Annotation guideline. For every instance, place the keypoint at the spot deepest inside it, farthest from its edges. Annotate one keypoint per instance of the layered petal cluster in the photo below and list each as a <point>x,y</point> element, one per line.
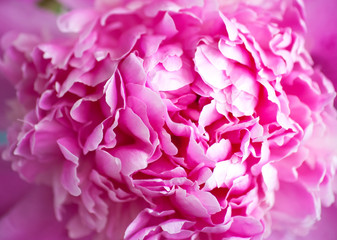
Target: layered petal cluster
<point>175,119</point>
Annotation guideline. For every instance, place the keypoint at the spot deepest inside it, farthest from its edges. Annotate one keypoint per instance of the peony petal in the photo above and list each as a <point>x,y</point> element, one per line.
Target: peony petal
<point>107,164</point>
<point>69,178</point>
<point>246,226</point>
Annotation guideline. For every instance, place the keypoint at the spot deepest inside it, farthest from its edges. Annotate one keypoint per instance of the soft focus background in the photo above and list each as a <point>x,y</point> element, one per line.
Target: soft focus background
<point>18,198</point>
<point>322,35</point>
<point>26,211</point>
<point>322,43</point>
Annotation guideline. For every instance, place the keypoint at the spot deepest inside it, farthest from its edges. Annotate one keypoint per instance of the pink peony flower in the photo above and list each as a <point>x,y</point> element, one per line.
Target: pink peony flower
<point>175,120</point>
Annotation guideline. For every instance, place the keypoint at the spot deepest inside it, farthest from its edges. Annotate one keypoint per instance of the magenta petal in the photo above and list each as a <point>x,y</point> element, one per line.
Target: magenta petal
<point>75,21</point>
<point>132,70</point>
<point>208,201</point>
<point>59,55</point>
<point>236,53</point>
<point>246,226</point>
<point>219,151</point>
<point>94,139</point>
<point>166,26</point>
<point>189,204</point>
<point>135,125</point>
<point>69,149</point>
<point>69,178</point>
<point>206,61</point>
<point>172,226</point>
<point>128,155</point>
<point>126,42</point>
<point>109,165</point>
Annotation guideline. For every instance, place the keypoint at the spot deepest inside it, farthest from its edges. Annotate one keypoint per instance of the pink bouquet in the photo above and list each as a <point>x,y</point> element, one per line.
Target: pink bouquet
<point>172,119</point>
